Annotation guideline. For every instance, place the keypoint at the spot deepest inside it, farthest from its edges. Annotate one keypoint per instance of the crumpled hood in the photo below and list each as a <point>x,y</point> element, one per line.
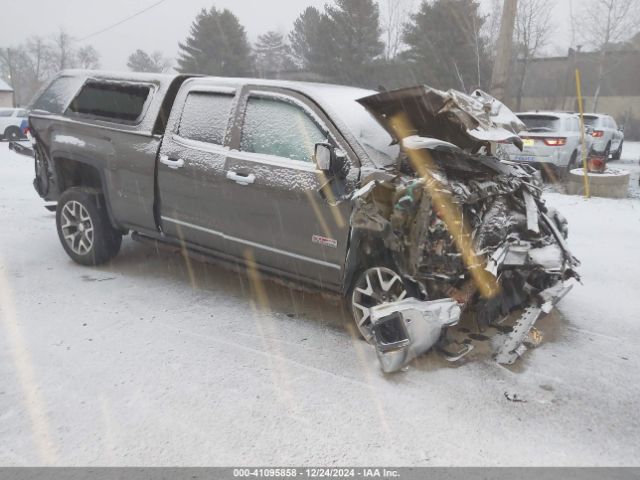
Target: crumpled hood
<point>467,121</point>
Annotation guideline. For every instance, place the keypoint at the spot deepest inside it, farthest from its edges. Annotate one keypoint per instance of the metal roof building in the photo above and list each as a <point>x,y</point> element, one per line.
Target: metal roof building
<point>6,94</point>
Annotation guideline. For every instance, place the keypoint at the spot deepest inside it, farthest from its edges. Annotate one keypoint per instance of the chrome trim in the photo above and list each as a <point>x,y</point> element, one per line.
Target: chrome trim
<point>251,244</point>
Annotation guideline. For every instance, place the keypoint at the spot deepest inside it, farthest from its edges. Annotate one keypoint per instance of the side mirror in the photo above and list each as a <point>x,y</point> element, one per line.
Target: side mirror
<point>621,128</point>
<point>329,160</point>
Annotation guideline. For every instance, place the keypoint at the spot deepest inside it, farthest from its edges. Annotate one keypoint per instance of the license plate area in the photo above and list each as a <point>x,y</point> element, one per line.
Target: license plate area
<point>524,158</point>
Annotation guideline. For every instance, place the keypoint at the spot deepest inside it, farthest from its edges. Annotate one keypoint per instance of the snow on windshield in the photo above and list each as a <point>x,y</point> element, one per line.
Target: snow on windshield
<point>369,133</point>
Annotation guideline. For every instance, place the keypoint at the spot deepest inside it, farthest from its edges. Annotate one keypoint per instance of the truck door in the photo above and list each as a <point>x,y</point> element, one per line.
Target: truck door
<point>191,167</point>
<point>278,219</point>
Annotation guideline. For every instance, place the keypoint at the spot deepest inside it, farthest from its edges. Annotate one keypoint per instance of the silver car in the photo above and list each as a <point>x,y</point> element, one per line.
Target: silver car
<point>607,136</point>
<point>551,142</point>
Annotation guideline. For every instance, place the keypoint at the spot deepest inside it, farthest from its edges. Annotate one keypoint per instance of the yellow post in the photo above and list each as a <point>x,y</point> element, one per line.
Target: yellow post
<point>584,146</point>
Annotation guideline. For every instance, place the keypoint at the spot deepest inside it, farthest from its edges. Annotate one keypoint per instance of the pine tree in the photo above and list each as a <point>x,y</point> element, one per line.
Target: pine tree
<point>446,46</point>
<point>309,41</point>
<point>271,54</point>
<point>354,31</point>
<point>217,45</point>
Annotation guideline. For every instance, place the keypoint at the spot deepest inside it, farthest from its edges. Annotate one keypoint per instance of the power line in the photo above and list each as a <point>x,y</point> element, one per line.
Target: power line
<point>122,21</point>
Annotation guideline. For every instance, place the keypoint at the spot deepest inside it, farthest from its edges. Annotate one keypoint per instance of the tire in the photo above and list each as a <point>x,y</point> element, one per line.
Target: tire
<point>607,152</point>
<point>618,154</point>
<point>12,134</point>
<point>572,164</point>
<point>369,290</point>
<point>84,228</point>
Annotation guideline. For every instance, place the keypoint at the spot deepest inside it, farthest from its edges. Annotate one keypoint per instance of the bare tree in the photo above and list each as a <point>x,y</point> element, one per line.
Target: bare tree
<point>88,58</point>
<point>63,52</point>
<point>532,30</point>
<point>601,24</point>
<point>393,17</point>
<point>491,28</point>
<point>39,52</point>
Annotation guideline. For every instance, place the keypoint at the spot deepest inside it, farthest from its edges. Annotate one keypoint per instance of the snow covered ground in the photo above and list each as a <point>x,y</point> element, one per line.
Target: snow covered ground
<point>153,361</point>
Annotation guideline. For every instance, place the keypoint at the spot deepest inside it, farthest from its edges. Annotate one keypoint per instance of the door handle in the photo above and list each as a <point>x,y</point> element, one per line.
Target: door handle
<point>241,179</point>
<point>173,163</point>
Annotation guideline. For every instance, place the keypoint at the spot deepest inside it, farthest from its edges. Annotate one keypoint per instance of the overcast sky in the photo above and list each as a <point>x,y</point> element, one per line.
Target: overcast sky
<point>162,27</point>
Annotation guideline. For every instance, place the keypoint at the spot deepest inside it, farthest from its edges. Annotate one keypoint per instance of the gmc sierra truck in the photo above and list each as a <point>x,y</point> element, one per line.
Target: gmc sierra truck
<point>392,200</point>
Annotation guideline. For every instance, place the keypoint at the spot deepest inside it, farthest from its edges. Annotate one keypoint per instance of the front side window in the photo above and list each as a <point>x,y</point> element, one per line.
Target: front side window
<point>205,117</point>
<point>119,102</point>
<point>21,113</point>
<point>280,128</point>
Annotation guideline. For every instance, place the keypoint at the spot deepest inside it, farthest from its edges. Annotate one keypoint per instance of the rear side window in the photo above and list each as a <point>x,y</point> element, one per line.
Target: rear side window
<point>279,128</point>
<point>58,95</point>
<point>111,101</point>
<point>205,117</point>
<point>540,123</point>
<point>6,113</point>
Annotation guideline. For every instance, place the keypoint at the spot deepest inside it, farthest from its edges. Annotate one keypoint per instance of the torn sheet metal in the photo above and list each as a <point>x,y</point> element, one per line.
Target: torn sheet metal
<point>440,184</point>
<point>514,345</point>
<point>466,121</point>
<point>409,328</point>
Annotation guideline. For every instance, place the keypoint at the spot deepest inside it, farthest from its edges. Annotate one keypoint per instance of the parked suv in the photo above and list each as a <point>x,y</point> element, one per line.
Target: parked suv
<point>552,142</point>
<point>607,136</point>
<point>382,198</point>
<point>10,122</point>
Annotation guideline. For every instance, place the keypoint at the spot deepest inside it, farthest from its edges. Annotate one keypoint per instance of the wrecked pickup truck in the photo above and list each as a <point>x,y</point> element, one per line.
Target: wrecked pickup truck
<point>392,200</point>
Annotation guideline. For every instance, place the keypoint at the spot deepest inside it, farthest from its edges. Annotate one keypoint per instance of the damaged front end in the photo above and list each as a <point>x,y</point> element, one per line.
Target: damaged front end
<point>465,232</point>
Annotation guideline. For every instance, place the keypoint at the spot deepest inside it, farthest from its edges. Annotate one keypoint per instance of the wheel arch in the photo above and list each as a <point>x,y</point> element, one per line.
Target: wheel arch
<point>365,251</point>
<point>73,170</point>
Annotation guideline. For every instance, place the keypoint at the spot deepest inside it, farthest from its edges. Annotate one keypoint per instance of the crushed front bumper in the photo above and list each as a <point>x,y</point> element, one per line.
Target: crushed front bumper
<point>409,328</point>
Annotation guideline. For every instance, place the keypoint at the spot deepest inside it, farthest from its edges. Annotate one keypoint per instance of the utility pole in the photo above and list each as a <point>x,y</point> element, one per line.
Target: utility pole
<point>500,74</point>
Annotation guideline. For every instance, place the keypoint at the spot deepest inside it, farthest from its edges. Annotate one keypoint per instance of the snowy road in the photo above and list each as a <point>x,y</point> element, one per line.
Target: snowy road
<point>152,361</point>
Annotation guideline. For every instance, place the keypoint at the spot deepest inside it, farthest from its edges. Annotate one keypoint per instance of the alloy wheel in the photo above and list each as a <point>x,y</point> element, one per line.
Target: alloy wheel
<point>77,227</point>
<point>375,286</point>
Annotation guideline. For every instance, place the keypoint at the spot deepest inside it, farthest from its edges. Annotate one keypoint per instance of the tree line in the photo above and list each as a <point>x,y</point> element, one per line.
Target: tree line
<point>28,65</point>
<point>443,43</point>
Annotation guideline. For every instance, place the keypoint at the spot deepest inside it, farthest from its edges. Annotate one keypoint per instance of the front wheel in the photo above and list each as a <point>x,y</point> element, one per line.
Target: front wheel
<point>373,287</point>
<point>84,228</point>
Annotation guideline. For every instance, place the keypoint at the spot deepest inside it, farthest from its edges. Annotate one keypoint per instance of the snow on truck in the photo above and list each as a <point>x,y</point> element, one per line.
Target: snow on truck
<point>391,200</point>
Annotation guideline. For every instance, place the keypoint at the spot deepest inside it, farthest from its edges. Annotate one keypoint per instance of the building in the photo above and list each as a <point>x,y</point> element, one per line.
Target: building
<point>550,84</point>
<point>6,94</point>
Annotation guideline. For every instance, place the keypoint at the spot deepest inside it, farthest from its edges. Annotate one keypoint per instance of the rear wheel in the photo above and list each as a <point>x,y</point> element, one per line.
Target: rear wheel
<point>84,228</point>
<point>12,133</point>
<point>607,152</point>
<point>375,286</point>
